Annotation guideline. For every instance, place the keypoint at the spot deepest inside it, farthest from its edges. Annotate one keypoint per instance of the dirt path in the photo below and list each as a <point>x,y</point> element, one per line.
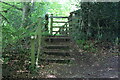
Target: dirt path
<point>78,68</point>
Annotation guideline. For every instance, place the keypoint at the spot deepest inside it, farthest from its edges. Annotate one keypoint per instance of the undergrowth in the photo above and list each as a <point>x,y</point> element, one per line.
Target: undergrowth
<point>87,45</point>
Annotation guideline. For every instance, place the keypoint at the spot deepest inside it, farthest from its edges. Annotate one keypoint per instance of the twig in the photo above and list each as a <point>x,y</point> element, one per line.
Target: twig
<point>11,5</point>
<point>4,17</point>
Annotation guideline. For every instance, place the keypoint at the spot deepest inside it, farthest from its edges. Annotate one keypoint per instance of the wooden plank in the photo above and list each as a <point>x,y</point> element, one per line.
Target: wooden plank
<point>59,22</point>
<point>56,50</point>
<point>55,57</point>
<point>57,54</point>
<point>59,27</point>
<point>58,37</point>
<point>63,45</point>
<point>56,60</point>
<point>55,31</point>
<point>62,31</point>
<point>65,30</point>
<point>58,17</point>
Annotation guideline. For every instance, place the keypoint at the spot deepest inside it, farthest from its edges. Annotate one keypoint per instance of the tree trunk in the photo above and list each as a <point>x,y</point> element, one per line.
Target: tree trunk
<point>26,14</point>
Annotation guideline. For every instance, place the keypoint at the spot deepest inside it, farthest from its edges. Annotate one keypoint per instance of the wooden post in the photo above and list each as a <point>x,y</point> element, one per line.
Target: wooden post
<point>51,24</point>
<point>70,23</point>
<point>46,22</point>
<point>32,52</point>
<point>39,34</point>
<point>66,29</point>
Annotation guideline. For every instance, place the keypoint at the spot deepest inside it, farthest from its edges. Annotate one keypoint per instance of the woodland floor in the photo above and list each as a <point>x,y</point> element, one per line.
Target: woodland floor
<point>85,65</point>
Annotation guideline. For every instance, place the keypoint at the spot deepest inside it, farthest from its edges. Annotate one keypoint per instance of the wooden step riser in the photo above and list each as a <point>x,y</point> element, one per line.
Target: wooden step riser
<point>57,54</point>
<point>61,38</point>
<point>57,47</point>
<point>57,40</point>
<point>55,61</point>
<point>58,43</point>
<point>56,36</point>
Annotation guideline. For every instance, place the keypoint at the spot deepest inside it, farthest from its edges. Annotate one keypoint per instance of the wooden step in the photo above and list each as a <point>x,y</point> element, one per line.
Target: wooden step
<point>56,36</point>
<point>55,59</point>
<point>56,52</point>
<point>60,43</point>
<point>57,46</point>
<point>57,39</point>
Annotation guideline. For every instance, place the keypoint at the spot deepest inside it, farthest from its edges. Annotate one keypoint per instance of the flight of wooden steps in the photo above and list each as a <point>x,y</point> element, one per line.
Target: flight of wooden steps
<point>57,49</point>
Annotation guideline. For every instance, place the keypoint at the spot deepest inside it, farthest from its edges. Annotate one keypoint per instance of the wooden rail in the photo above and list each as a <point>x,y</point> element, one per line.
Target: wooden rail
<point>59,22</point>
<point>61,28</point>
<point>57,17</point>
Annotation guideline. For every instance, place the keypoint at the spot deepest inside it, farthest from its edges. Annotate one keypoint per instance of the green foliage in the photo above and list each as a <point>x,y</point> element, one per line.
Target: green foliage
<point>82,42</point>
<point>86,45</point>
<point>6,60</point>
<point>58,34</point>
<point>13,36</point>
<point>11,13</point>
<point>9,34</point>
<point>117,41</point>
<point>46,33</point>
<point>58,9</point>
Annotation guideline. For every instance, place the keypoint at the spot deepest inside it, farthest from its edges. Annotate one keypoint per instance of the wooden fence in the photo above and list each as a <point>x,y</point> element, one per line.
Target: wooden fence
<point>63,30</point>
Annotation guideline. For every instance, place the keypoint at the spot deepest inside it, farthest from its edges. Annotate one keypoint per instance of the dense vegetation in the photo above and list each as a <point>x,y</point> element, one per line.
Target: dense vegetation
<point>98,21</point>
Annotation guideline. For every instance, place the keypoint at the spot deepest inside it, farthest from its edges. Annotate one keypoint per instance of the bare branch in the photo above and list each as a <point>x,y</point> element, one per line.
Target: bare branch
<point>4,17</point>
<point>11,5</point>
